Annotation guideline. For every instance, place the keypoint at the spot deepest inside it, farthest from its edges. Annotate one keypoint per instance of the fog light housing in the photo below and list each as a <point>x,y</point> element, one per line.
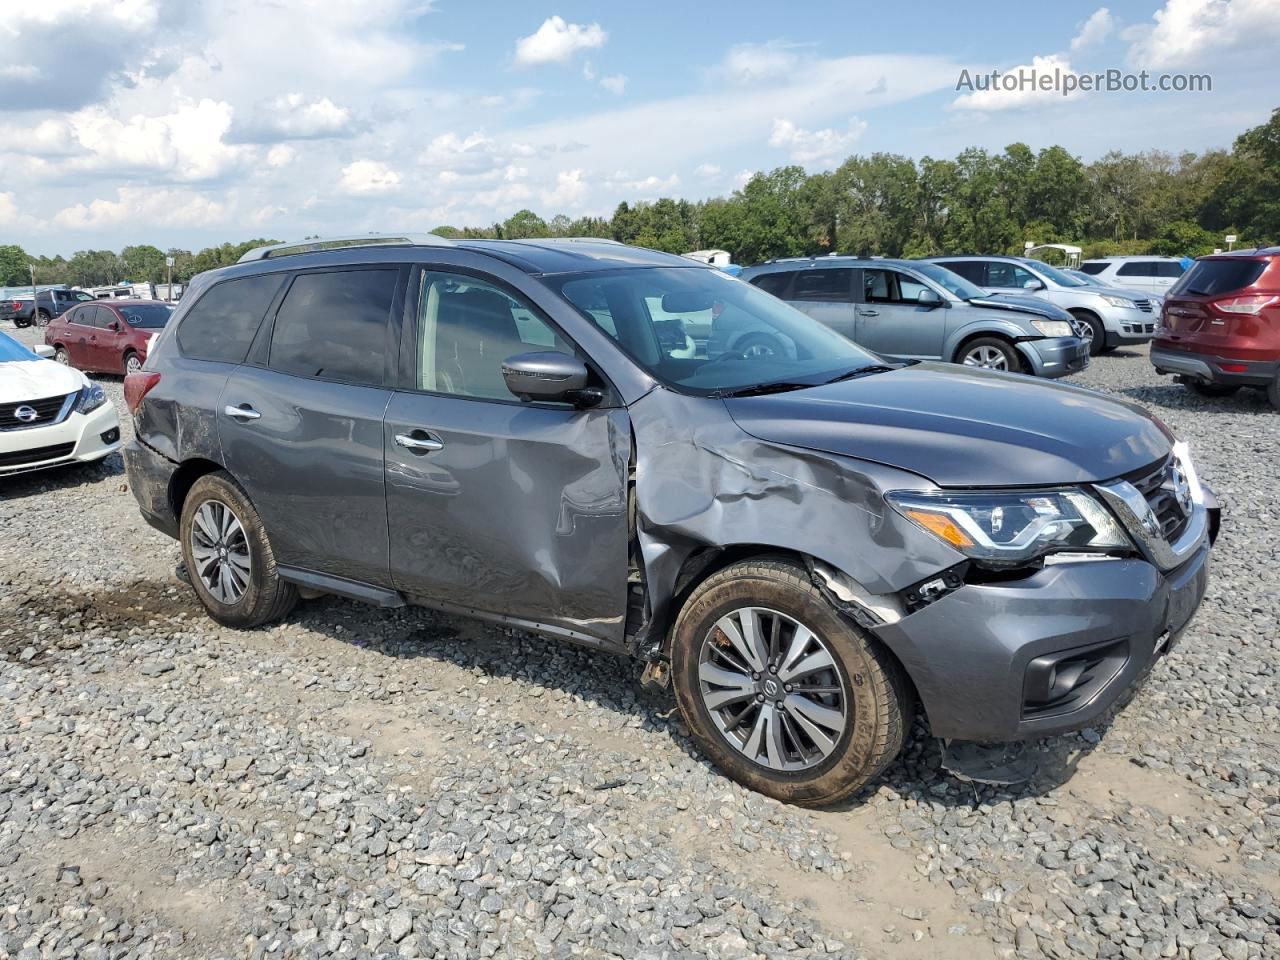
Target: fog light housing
<point>111,436</point>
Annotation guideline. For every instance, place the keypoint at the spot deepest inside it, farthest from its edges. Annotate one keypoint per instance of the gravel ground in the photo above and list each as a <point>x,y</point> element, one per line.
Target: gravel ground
<point>368,783</point>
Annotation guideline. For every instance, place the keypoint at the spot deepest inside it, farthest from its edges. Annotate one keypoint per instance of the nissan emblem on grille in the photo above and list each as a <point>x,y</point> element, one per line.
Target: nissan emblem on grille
<point>25,413</point>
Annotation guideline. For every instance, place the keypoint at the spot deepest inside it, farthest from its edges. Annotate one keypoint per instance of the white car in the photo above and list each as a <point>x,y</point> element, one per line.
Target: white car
<point>1152,275</point>
<point>50,414</point>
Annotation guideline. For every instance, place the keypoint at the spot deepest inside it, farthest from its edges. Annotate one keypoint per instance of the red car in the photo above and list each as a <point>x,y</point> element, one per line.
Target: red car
<point>1220,326</point>
<point>107,336</point>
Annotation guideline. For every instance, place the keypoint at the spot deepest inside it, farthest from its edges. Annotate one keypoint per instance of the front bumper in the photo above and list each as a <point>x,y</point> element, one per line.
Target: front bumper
<point>1054,357</point>
<point>1208,368</point>
<point>985,659</point>
<point>80,438</point>
<point>1128,325</point>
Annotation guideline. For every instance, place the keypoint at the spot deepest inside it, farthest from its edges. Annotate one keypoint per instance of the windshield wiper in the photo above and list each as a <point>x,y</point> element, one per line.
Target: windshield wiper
<point>861,371</point>
<point>759,389</point>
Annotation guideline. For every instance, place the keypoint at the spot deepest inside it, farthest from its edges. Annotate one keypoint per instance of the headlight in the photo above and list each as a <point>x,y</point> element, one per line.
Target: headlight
<point>1120,301</point>
<point>1053,328</point>
<point>1013,528</point>
<point>91,398</point>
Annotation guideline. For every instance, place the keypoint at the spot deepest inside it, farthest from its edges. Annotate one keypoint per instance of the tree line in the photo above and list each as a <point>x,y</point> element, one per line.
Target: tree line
<point>882,204</point>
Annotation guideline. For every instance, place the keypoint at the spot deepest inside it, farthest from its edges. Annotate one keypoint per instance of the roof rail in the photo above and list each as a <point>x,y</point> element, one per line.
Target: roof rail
<point>339,243</point>
<point>616,243</point>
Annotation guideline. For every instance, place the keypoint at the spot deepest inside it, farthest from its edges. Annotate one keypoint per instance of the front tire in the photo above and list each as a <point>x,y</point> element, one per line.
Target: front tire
<point>990,353</point>
<point>42,319</point>
<point>226,550</point>
<point>784,694</point>
<point>62,356</point>
<point>1090,328</point>
<point>131,363</point>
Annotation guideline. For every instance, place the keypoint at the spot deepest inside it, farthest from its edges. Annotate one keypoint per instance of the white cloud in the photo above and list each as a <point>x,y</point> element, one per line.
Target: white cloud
<point>749,63</point>
<point>815,146</point>
<point>570,190</point>
<point>294,117</point>
<point>1007,93</point>
<point>368,177</point>
<point>556,41</point>
<point>1096,29</point>
<point>11,217</point>
<point>707,170</point>
<point>144,205</point>
<point>1189,32</point>
<point>588,72</point>
<point>616,83</point>
<point>266,214</point>
<point>474,152</point>
<point>281,155</point>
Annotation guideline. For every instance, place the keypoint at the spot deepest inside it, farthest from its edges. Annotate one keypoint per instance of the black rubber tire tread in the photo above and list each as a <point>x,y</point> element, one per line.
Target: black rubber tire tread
<point>882,702</point>
<point>268,598</point>
<point>1273,392</point>
<point>1010,353</point>
<point>1213,389</point>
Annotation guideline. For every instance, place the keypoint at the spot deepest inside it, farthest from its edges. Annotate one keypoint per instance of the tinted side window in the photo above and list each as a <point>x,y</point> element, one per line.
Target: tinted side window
<point>1209,277</point>
<point>1134,270</point>
<point>1093,269</point>
<point>774,283</point>
<point>81,315</point>
<point>334,326</point>
<point>822,285</point>
<point>971,270</point>
<point>1000,274</point>
<point>1167,268</point>
<point>104,318</point>
<point>222,323</point>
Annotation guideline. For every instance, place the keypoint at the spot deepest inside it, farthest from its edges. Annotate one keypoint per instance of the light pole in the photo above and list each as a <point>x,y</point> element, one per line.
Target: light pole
<point>168,294</point>
<point>35,300</point>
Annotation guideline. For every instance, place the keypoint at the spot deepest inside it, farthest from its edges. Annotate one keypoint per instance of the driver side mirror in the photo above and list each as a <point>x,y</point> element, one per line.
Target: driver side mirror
<point>42,350</point>
<point>929,297</point>
<point>550,377</point>
<point>114,326</point>
<point>1033,285</point>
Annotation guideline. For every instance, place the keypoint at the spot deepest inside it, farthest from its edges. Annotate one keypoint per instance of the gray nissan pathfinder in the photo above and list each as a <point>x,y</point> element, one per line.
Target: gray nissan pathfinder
<point>807,544</point>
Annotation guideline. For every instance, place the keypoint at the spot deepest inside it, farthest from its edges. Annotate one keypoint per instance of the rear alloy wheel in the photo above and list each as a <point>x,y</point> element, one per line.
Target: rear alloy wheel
<point>60,354</point>
<point>784,694</point>
<point>990,353</point>
<point>42,319</point>
<point>132,364</point>
<point>228,556</point>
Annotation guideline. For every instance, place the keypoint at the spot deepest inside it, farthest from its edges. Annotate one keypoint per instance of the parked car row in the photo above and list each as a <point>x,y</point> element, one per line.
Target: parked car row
<point>107,336</point>
<point>808,539</point>
<point>39,310</point>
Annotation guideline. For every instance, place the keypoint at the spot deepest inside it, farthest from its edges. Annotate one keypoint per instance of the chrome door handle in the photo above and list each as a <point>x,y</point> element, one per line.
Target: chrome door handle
<point>419,444</point>
<point>244,412</point>
<point>868,313</point>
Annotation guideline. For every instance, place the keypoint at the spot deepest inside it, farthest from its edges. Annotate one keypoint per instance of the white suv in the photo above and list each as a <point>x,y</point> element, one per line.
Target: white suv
<point>1153,275</point>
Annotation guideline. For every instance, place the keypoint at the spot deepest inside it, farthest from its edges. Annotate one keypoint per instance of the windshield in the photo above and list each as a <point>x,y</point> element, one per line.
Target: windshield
<point>703,332</point>
<point>952,281</point>
<point>12,351</point>
<point>149,316</point>
<point>1057,276</point>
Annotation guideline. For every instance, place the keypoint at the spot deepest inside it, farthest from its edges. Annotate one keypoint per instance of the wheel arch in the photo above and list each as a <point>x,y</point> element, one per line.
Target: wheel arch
<point>1000,329</point>
<point>1004,336</point>
<point>185,477</point>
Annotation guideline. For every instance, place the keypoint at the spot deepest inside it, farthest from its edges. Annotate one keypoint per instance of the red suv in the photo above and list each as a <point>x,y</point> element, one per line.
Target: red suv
<point>107,336</point>
<point>1220,326</point>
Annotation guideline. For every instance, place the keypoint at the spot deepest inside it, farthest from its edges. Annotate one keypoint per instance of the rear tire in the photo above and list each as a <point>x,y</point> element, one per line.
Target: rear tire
<point>42,318</point>
<point>844,709</point>
<point>990,353</point>
<point>1273,392</point>
<point>62,356</point>
<point>231,564</point>
<point>1213,389</point>
<point>131,363</point>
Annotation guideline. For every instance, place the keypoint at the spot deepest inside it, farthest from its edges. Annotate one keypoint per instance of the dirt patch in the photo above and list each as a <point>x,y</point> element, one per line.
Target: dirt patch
<point>1109,781</point>
<point>136,604</point>
<point>390,734</point>
<point>138,884</point>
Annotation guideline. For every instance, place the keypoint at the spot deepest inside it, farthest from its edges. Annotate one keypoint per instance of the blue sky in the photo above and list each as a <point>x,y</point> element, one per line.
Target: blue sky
<point>181,123</point>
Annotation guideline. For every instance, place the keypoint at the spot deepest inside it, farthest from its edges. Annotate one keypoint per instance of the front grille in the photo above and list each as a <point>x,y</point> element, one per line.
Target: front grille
<point>1156,486</point>
<point>47,411</point>
<point>1144,305</point>
<point>36,455</point>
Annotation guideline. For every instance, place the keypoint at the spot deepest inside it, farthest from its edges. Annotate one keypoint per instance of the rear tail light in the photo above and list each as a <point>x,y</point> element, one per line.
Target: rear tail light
<point>137,386</point>
<point>1234,367</point>
<point>1253,303</point>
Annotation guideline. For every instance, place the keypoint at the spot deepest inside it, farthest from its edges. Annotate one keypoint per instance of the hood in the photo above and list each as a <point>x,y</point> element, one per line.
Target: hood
<point>1110,291</point>
<point>36,379</point>
<point>1011,301</point>
<point>962,427</point>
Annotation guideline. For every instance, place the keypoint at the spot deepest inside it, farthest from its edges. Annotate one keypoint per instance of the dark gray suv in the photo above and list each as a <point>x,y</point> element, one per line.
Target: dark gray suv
<point>806,546</point>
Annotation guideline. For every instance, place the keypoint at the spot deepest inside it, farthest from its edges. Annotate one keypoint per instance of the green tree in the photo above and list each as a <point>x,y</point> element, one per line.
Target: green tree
<point>94,268</point>
<point>522,225</point>
<point>14,266</point>
<point>876,200</point>
<point>143,264</point>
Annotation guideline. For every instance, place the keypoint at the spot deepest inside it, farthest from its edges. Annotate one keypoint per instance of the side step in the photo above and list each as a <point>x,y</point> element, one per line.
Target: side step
<point>352,589</point>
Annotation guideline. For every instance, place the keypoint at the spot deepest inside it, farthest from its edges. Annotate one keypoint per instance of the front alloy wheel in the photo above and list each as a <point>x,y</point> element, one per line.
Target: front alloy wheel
<point>990,353</point>
<point>780,690</point>
<point>772,689</point>
<point>132,364</point>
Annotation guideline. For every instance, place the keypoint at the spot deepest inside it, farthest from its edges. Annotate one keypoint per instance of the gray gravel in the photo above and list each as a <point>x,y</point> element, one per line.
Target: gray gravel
<point>367,783</point>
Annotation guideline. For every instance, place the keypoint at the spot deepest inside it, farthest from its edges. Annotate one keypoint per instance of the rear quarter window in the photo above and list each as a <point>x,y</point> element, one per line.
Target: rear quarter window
<point>773,283</point>
<point>222,323</point>
<point>1212,277</point>
<point>1093,269</point>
